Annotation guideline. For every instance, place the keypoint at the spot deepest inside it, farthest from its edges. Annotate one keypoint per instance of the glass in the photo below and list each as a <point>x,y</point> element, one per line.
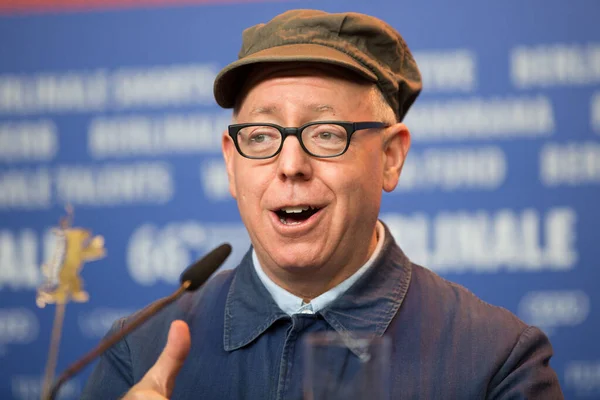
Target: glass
<point>346,366</point>
<point>322,139</point>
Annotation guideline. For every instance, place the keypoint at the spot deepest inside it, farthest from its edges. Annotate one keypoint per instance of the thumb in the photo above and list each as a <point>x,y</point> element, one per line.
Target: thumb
<point>161,377</point>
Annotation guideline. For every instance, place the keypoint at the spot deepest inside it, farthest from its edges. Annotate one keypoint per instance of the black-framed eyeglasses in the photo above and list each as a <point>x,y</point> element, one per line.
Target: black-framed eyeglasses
<point>323,139</point>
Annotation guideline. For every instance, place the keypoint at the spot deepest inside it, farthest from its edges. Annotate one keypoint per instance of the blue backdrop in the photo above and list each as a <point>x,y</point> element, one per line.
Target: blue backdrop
<point>112,112</point>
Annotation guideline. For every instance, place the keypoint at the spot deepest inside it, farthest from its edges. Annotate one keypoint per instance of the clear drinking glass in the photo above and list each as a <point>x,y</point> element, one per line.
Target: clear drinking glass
<point>347,366</point>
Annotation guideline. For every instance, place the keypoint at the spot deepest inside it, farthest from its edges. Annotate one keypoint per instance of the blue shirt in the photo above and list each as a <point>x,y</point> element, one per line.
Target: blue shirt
<point>446,343</point>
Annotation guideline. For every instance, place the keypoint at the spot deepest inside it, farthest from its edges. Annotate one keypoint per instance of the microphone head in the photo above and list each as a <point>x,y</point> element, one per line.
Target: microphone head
<point>201,270</point>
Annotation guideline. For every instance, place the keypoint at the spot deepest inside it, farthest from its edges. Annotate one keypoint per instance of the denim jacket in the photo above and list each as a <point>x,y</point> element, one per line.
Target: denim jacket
<point>446,343</point>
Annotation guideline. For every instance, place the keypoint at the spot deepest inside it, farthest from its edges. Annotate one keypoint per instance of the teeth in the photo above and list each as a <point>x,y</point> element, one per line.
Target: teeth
<point>286,222</point>
<point>294,210</point>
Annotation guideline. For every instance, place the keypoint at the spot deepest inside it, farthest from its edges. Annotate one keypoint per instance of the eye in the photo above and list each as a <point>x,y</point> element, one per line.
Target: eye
<point>256,135</point>
<point>325,135</point>
<point>258,138</point>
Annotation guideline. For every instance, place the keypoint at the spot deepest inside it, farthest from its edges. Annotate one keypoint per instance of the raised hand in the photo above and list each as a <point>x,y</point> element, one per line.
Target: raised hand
<point>159,381</point>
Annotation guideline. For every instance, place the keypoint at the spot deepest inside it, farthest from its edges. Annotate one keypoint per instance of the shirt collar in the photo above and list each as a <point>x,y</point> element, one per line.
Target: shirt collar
<point>292,304</point>
<point>368,305</point>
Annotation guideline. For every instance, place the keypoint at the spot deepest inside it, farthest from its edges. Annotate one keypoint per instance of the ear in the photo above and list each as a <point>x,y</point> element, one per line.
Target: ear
<point>395,148</point>
<point>229,153</point>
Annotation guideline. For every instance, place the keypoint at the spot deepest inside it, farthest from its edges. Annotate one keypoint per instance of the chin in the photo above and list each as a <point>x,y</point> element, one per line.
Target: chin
<point>297,259</point>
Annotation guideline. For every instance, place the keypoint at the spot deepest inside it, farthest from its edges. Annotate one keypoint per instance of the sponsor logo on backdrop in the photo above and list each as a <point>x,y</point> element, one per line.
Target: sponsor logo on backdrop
<point>556,64</point>
<point>21,254</point>
<point>480,119</point>
<point>115,184</point>
<point>25,189</point>
<point>452,169</point>
<point>595,113</point>
<point>29,387</point>
<point>60,92</point>
<point>550,310</point>
<point>17,326</point>
<point>35,140</point>
<point>100,90</point>
<point>19,262</point>
<point>109,184</point>
<point>489,241</point>
<point>571,163</point>
<point>163,86</point>
<point>160,253</point>
<point>215,182</point>
<point>448,70</point>
<point>141,135</point>
<point>583,377</point>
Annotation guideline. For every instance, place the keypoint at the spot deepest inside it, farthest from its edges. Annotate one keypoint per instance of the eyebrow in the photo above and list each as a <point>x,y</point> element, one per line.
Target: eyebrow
<point>270,110</point>
<point>263,110</point>
<point>322,108</point>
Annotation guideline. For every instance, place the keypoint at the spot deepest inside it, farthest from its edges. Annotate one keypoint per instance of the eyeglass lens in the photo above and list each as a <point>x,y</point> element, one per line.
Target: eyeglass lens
<point>320,140</point>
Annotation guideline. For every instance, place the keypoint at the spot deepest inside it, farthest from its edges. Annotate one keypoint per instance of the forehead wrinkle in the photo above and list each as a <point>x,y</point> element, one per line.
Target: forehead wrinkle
<point>269,110</point>
<point>321,108</point>
<point>272,110</point>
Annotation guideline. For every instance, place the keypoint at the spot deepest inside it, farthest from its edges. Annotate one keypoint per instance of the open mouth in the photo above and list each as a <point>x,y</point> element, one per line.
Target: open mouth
<point>296,215</point>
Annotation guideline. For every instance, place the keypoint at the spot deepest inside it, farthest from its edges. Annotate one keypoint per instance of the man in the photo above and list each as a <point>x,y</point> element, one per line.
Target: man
<point>318,102</point>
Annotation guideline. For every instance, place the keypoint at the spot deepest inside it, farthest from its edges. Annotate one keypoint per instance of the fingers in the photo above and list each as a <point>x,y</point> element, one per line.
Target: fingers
<point>173,355</point>
<point>159,381</point>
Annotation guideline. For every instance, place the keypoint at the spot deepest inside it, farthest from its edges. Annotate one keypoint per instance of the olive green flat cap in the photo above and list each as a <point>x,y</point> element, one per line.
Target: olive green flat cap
<point>358,42</point>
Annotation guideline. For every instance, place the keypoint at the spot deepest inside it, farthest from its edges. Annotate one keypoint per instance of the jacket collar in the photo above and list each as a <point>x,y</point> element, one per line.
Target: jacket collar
<point>367,306</point>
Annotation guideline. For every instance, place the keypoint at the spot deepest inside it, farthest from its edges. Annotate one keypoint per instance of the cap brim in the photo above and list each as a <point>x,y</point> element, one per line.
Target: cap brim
<point>231,78</point>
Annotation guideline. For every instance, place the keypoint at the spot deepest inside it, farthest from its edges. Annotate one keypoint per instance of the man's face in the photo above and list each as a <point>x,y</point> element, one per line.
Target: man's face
<point>337,233</point>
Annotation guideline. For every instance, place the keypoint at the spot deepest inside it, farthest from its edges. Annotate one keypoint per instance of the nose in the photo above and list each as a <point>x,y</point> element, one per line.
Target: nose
<point>293,162</point>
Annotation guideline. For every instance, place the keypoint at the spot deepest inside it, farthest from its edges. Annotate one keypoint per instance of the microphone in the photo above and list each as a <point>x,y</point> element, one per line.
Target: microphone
<point>191,279</point>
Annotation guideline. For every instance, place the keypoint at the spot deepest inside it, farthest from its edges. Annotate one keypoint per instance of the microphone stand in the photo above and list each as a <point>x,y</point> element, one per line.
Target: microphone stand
<point>106,344</point>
